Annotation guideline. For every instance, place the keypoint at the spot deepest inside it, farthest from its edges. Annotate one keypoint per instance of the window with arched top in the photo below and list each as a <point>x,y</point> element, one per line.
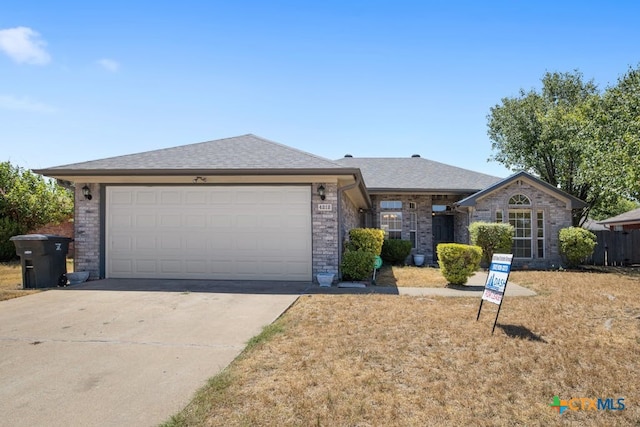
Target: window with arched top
<point>520,200</point>
<point>528,225</point>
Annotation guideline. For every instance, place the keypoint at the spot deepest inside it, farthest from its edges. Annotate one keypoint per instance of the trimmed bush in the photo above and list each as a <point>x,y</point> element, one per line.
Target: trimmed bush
<point>576,245</point>
<point>395,251</point>
<point>458,262</point>
<point>357,265</point>
<point>366,239</point>
<point>492,237</point>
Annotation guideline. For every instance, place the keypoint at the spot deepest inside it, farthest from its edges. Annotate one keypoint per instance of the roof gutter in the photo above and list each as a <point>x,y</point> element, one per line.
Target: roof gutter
<point>359,182</point>
<point>178,172</point>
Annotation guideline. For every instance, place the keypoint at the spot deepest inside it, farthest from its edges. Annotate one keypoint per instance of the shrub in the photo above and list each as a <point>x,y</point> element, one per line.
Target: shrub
<point>8,228</point>
<point>366,239</point>
<point>458,262</point>
<point>395,251</point>
<point>492,237</point>
<point>357,265</point>
<point>576,245</point>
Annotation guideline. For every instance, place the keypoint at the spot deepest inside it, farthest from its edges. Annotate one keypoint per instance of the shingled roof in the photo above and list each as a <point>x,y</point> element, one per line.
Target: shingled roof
<point>415,174</point>
<point>631,217</point>
<point>244,153</point>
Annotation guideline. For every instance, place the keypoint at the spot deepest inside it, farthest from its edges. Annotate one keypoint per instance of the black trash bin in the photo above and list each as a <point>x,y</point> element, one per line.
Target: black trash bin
<point>43,258</point>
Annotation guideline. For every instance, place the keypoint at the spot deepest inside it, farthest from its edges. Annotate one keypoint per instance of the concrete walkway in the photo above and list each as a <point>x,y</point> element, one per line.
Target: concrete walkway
<point>473,288</point>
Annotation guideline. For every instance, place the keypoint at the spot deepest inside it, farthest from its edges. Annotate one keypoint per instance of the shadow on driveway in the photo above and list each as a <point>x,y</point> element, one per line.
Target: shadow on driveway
<point>226,287</point>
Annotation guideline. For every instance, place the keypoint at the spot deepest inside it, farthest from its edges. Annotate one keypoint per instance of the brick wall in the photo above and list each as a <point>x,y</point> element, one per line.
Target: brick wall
<point>325,232</point>
<point>424,243</point>
<point>87,231</point>
<point>65,228</point>
<point>556,216</point>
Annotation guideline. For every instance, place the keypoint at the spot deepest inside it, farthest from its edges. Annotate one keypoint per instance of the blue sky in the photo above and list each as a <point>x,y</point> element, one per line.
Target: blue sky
<point>92,79</point>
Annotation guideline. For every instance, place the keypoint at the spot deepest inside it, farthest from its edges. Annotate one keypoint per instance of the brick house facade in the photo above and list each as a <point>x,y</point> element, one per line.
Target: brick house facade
<point>161,214</point>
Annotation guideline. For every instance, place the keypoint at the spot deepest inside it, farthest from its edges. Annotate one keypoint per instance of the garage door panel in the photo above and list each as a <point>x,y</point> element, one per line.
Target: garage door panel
<point>148,221</point>
<point>145,197</point>
<point>146,266</point>
<point>170,243</point>
<point>197,198</point>
<point>121,243</point>
<point>196,221</point>
<point>122,221</point>
<point>146,242</point>
<point>170,266</point>
<point>122,266</point>
<point>234,232</point>
<point>171,197</point>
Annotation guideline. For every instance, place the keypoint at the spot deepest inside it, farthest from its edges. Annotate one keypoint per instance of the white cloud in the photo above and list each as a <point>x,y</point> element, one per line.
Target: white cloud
<point>24,45</point>
<point>109,64</point>
<point>8,102</point>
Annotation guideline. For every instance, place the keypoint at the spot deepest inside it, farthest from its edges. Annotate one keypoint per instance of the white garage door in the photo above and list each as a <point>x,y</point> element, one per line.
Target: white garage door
<point>221,232</point>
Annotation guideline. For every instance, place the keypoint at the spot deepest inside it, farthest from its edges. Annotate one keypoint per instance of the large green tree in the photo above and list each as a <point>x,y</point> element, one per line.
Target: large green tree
<point>28,201</point>
<point>552,133</point>
<point>617,141</point>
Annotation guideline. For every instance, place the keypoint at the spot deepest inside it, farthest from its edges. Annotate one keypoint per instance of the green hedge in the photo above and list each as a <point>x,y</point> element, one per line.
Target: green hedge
<point>366,239</point>
<point>357,265</point>
<point>458,262</point>
<point>8,229</point>
<point>395,251</point>
<point>576,245</point>
<point>492,237</point>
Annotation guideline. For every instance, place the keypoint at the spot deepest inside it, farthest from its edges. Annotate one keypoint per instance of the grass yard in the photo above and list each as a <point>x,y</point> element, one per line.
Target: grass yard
<point>11,280</point>
<point>374,360</point>
<point>410,276</point>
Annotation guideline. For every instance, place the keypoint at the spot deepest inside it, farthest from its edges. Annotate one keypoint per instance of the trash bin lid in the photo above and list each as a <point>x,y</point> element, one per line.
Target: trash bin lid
<point>30,237</point>
<point>38,237</point>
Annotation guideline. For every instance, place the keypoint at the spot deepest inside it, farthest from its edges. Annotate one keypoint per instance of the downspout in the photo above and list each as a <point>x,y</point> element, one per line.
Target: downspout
<point>340,217</point>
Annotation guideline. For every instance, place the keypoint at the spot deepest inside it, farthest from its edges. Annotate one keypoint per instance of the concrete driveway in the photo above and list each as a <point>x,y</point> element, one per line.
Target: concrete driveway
<point>73,357</point>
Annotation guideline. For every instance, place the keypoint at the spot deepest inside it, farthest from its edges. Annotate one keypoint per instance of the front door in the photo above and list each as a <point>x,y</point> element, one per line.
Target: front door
<point>442,226</point>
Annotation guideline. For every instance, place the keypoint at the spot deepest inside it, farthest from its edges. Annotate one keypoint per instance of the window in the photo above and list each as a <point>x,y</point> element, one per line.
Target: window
<point>391,223</point>
<point>413,229</point>
<point>499,215</point>
<point>521,221</point>
<point>438,208</point>
<point>540,232</point>
<point>390,204</point>
<point>412,205</point>
<point>520,200</point>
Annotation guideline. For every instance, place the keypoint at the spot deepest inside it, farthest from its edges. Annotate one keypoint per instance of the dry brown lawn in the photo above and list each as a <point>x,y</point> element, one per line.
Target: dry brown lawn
<point>409,276</point>
<point>378,360</point>
<point>11,280</point>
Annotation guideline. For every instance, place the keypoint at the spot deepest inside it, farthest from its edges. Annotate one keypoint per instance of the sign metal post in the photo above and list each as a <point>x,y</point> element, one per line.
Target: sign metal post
<point>496,284</point>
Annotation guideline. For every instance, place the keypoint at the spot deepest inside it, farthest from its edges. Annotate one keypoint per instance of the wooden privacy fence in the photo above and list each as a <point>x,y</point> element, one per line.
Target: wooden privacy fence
<point>616,248</point>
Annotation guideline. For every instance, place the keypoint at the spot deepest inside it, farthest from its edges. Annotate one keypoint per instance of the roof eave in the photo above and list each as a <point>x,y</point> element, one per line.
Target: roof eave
<point>426,191</point>
<point>182,172</point>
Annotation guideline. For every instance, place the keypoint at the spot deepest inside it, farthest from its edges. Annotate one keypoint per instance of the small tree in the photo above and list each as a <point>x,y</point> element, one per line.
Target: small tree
<point>458,262</point>
<point>28,201</point>
<point>576,245</point>
<point>492,237</point>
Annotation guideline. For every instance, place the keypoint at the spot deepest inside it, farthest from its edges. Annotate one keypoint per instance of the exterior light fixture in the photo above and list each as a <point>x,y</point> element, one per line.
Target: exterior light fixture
<point>321,192</point>
<point>86,192</point>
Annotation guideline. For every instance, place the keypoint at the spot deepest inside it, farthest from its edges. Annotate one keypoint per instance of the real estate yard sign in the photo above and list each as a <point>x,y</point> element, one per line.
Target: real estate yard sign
<point>496,283</point>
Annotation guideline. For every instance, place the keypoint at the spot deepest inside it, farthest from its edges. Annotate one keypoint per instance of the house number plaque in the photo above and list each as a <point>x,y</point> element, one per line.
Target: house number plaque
<point>325,207</point>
